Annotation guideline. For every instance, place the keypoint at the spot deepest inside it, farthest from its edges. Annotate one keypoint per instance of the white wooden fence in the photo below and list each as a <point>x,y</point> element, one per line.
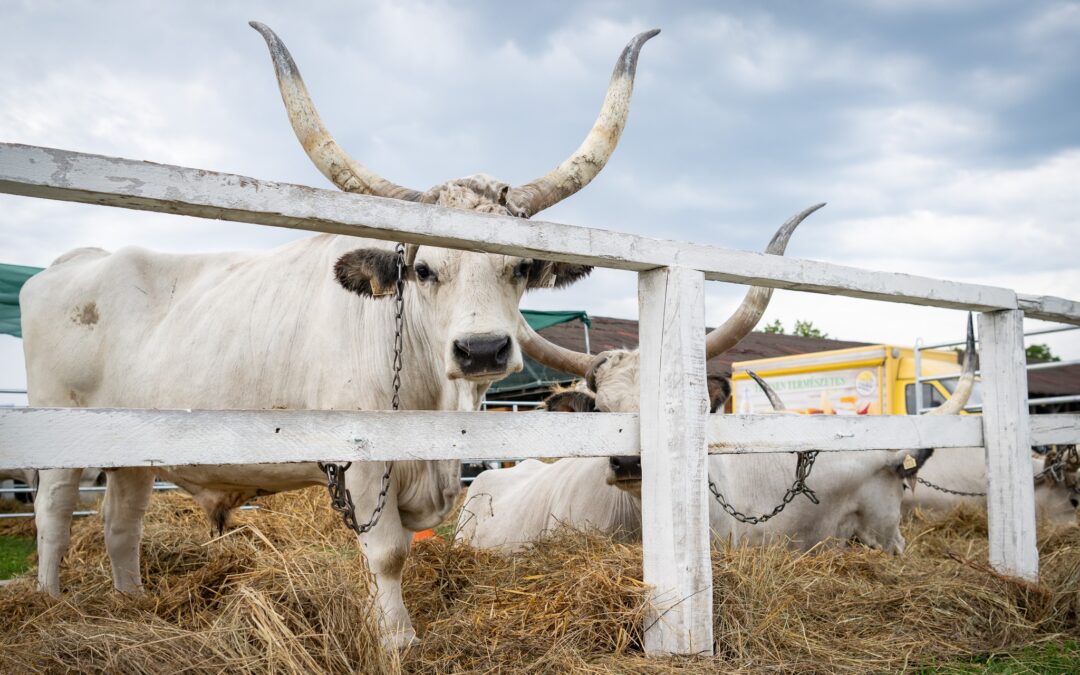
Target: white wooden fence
<point>672,433</point>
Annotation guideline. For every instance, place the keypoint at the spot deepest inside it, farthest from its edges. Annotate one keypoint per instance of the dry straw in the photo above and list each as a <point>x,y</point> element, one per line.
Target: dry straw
<point>286,592</point>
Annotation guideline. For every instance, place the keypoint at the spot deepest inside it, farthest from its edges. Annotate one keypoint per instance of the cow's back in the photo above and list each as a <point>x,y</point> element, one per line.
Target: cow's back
<point>265,329</point>
<point>87,318</point>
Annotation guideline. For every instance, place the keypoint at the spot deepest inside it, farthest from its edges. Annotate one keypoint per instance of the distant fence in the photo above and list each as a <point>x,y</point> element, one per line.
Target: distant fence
<point>672,433</point>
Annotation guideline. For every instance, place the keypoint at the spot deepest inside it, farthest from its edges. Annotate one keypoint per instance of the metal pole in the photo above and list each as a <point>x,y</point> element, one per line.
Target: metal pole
<point>918,374</point>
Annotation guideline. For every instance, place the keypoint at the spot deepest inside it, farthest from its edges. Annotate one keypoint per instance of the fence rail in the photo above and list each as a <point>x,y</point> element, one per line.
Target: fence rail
<point>672,433</point>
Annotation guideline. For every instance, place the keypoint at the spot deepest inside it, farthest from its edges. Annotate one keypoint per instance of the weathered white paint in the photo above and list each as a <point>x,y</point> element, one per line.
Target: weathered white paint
<point>789,433</point>
<point>76,437</point>
<point>675,510</point>
<point>1010,499</point>
<point>72,437</point>
<point>1049,308</point>
<point>1055,429</point>
<point>70,176</point>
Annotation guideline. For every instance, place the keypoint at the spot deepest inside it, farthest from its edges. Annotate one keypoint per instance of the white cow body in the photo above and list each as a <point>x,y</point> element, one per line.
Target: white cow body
<point>860,495</point>
<point>505,509</point>
<point>964,470</point>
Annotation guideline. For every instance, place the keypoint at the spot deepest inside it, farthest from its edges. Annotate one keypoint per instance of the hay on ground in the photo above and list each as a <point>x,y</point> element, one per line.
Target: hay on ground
<point>287,592</point>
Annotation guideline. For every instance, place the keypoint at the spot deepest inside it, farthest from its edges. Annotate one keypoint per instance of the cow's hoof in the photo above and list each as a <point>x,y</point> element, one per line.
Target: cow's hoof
<point>401,640</point>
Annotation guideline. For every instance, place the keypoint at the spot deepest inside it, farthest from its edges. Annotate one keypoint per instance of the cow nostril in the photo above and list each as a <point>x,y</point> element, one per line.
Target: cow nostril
<point>461,350</point>
<point>503,353</point>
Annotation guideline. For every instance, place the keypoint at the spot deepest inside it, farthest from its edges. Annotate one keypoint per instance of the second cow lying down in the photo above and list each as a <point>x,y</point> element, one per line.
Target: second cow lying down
<point>859,495</point>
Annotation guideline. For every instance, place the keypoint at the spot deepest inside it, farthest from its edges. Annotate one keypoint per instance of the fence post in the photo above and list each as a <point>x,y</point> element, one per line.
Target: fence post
<point>1010,491</point>
<point>675,509</point>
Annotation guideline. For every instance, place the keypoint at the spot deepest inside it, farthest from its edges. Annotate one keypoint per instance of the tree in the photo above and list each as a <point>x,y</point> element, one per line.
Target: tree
<point>1040,353</point>
<point>776,328</point>
<point>807,329</point>
<point>802,328</point>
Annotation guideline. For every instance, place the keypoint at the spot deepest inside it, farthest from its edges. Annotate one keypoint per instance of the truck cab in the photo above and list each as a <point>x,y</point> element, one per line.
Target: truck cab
<point>869,380</point>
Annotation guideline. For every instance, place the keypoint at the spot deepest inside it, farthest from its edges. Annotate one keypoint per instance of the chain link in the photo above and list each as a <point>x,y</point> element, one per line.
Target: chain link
<point>340,496</point>
<point>923,481</point>
<point>1055,470</point>
<point>802,472</point>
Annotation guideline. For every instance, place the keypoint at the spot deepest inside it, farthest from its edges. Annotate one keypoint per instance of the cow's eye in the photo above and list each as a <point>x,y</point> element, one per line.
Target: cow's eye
<point>424,273</point>
<point>521,270</point>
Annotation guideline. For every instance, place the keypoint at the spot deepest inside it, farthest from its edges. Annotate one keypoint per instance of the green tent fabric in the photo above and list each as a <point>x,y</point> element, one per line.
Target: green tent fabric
<point>12,278</point>
<point>533,374</point>
<point>541,320</point>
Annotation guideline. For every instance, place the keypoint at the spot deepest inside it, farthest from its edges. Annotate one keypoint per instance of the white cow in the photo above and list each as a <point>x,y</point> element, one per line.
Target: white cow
<point>859,497</point>
<point>309,325</point>
<point>964,470</point>
<point>859,494</point>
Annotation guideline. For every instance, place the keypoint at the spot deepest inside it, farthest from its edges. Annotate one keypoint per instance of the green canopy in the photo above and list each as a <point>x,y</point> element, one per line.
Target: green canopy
<point>541,320</point>
<point>12,278</point>
<point>533,375</point>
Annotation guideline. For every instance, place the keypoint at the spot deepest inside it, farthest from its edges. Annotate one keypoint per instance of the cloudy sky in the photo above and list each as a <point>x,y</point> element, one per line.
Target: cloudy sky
<point>944,135</point>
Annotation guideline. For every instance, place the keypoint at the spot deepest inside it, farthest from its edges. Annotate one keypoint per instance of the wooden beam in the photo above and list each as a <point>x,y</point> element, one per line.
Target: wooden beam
<point>1050,308</point>
<point>93,179</point>
<point>1061,429</point>
<point>674,501</point>
<point>789,433</point>
<point>48,438</point>
<point>1010,490</point>
<point>73,437</point>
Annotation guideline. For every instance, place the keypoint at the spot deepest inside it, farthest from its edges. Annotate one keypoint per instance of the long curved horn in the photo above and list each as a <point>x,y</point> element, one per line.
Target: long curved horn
<point>749,312</point>
<point>966,383</point>
<point>328,157</point>
<point>550,354</point>
<point>581,167</point>
<point>770,393</point>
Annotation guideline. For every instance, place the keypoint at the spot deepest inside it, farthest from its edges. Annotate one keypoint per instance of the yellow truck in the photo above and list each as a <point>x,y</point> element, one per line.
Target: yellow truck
<point>870,380</point>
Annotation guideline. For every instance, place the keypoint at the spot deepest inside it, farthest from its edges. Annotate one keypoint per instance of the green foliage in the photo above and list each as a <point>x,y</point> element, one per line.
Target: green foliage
<point>15,555</point>
<point>807,329</point>
<point>1040,352</point>
<point>802,328</point>
<point>776,328</point>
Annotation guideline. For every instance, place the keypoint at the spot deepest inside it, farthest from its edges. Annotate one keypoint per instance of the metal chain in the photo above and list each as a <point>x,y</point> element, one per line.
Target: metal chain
<point>923,481</point>
<point>1055,470</point>
<point>802,472</point>
<point>340,496</point>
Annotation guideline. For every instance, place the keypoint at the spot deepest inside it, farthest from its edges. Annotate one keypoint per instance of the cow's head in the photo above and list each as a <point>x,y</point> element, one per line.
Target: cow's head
<point>469,299</point>
<point>860,501</point>
<point>1057,487</point>
<point>613,376</point>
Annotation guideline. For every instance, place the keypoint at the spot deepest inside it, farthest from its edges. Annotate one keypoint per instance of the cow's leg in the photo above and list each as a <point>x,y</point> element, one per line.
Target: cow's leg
<point>386,547</point>
<point>57,494</point>
<point>127,494</point>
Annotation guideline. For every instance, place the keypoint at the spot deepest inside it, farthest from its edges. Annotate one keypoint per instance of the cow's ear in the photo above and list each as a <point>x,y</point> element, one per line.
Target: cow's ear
<point>547,274</point>
<point>907,463</point>
<point>719,392</point>
<point>571,401</point>
<point>368,272</point>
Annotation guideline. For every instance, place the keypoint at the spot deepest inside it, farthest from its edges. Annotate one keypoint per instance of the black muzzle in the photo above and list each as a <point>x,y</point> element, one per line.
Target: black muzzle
<point>627,467</point>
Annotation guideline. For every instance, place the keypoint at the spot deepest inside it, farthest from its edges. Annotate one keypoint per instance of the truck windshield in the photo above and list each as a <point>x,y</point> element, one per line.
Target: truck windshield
<point>976,392</point>
<point>932,398</point>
